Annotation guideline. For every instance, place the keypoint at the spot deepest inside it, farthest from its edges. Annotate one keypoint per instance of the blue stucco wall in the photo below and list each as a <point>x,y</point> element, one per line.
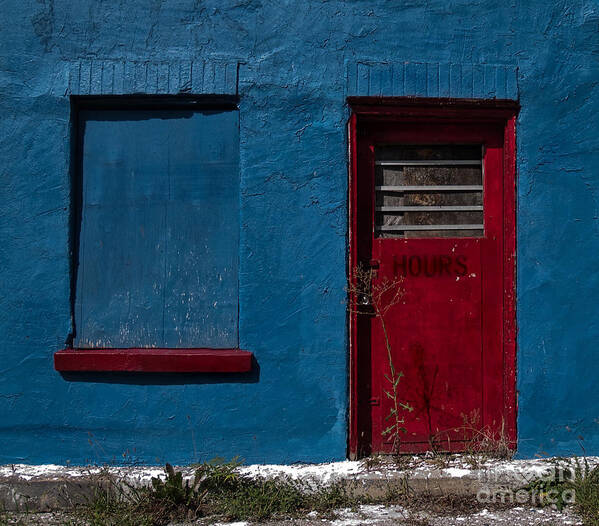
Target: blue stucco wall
<point>292,64</point>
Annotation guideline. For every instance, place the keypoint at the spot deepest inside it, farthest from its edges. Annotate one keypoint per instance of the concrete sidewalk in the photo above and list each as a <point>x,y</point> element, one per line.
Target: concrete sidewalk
<point>51,487</point>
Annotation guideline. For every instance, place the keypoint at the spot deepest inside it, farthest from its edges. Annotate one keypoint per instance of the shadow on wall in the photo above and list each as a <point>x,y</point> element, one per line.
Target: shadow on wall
<point>129,378</point>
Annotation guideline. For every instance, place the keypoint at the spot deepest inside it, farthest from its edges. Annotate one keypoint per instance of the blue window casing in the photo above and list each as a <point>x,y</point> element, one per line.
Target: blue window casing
<point>158,244</point>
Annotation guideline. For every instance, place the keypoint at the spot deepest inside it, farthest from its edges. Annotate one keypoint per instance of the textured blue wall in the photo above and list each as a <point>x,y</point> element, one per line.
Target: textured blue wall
<point>293,63</point>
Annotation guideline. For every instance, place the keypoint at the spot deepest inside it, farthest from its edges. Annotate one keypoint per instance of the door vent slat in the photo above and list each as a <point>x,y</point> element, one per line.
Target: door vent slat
<point>392,228</point>
<point>426,208</point>
<point>430,163</point>
<point>431,188</point>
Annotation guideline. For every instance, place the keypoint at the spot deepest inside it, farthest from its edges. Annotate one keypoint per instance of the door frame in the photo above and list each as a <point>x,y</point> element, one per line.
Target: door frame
<point>459,111</point>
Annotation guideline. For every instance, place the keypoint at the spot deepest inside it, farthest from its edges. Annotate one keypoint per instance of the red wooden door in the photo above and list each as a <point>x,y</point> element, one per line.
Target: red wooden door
<point>429,217</point>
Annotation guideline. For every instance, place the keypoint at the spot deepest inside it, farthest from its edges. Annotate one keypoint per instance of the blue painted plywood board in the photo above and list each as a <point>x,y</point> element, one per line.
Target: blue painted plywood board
<point>158,252</point>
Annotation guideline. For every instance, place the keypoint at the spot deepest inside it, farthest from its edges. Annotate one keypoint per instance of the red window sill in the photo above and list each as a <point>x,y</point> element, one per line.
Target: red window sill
<point>154,360</point>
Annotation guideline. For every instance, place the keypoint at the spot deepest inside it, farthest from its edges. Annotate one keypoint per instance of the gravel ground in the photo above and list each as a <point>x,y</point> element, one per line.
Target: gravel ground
<point>398,516</point>
<point>378,515</point>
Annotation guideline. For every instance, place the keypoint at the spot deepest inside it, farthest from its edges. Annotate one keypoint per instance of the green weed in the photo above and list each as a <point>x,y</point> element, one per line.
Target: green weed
<point>585,486</point>
<point>217,489</point>
<point>375,297</point>
<point>552,490</point>
<point>578,485</point>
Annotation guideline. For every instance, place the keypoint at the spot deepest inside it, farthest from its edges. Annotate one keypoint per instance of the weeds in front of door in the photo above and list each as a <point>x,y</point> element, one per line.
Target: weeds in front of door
<point>219,492</point>
<point>376,298</point>
<point>484,442</point>
<point>479,443</point>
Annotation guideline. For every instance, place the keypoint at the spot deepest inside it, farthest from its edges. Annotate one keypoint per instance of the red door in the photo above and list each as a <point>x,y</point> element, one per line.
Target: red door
<point>430,223</point>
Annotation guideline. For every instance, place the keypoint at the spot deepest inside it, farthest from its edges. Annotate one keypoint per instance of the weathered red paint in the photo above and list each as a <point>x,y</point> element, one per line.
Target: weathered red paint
<point>352,221</point>
<point>154,360</point>
<point>509,273</point>
<point>458,357</point>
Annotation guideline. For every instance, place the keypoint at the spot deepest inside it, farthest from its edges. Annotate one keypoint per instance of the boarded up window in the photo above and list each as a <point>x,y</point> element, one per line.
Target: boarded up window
<point>429,191</point>
<point>158,246</point>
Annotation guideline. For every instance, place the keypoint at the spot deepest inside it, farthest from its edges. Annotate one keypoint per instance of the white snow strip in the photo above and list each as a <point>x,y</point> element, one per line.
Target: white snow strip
<point>491,471</point>
<point>54,472</point>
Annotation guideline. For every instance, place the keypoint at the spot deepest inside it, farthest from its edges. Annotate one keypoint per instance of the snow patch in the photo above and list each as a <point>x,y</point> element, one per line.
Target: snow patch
<point>457,472</point>
<point>324,473</point>
<point>369,514</point>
